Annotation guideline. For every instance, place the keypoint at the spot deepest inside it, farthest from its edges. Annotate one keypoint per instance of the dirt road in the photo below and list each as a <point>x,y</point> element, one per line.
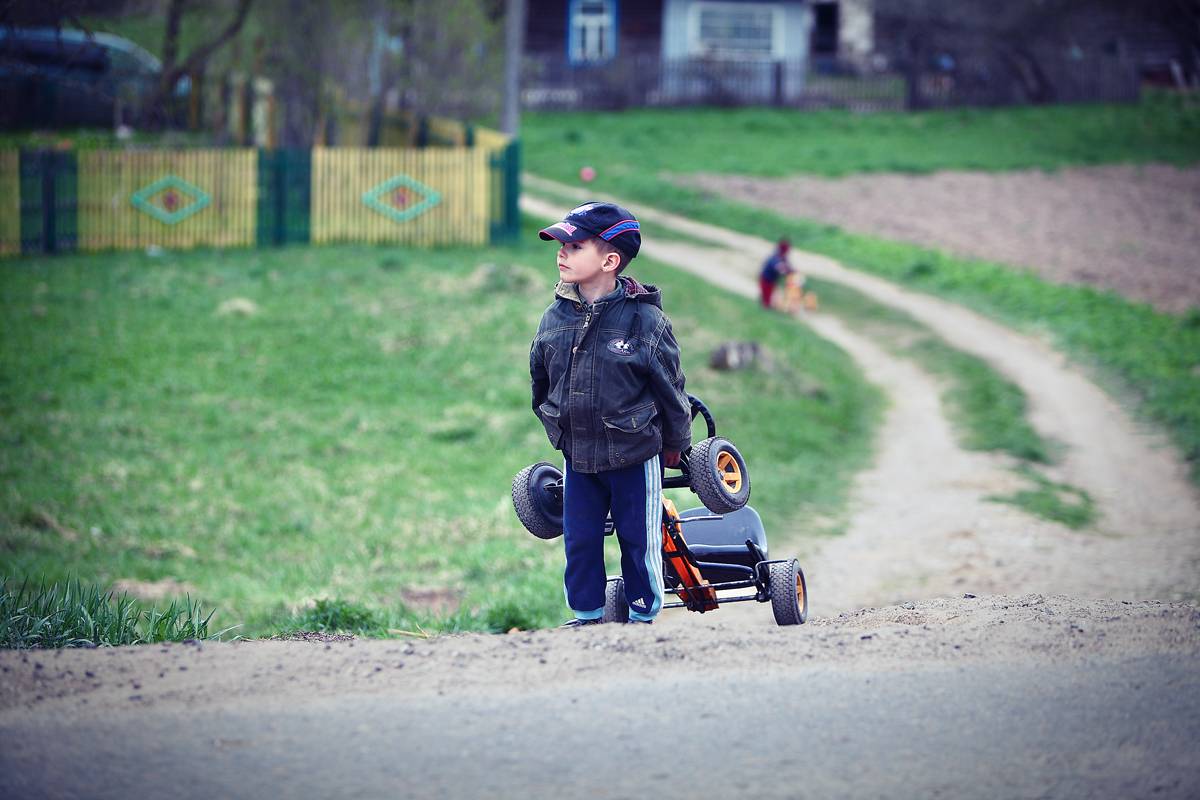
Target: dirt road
<point>982,697</point>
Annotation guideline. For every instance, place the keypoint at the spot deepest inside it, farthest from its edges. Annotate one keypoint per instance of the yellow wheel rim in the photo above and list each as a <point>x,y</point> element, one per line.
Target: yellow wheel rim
<point>800,591</point>
<point>729,472</point>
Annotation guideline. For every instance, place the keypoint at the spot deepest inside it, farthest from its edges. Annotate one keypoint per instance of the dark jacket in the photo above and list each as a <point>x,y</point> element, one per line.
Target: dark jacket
<point>607,383</point>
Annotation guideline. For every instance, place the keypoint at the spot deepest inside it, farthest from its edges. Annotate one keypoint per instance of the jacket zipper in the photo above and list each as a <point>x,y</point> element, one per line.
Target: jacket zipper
<point>574,348</point>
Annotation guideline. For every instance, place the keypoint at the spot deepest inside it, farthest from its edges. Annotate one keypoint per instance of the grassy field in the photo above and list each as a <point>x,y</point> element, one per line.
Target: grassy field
<point>1147,357</point>
<point>269,429</point>
<point>773,142</point>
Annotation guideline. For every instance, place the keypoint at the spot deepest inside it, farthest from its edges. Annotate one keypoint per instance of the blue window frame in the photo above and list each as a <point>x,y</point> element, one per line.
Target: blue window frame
<point>591,31</point>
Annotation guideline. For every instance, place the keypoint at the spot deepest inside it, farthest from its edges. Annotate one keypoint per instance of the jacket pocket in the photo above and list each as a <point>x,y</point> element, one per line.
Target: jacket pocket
<point>632,435</point>
<point>550,421</point>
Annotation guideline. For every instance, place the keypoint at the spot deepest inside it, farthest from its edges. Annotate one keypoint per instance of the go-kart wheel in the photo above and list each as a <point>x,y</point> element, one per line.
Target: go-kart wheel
<point>719,475</point>
<point>789,595</point>
<point>539,510</point>
<point>615,607</point>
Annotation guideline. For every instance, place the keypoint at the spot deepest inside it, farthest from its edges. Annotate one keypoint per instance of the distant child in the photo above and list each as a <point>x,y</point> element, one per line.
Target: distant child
<point>608,387</point>
<point>774,268</point>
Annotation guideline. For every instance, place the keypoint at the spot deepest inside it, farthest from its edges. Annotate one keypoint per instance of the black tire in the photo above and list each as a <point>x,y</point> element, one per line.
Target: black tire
<point>789,594</point>
<point>719,475</point>
<point>539,511</point>
<point>615,607</point>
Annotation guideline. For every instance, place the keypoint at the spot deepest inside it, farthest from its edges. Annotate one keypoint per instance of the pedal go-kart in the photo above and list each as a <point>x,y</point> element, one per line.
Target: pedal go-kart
<point>725,546</point>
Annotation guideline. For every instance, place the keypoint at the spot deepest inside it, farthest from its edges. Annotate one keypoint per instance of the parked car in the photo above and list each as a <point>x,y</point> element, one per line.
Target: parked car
<point>58,78</point>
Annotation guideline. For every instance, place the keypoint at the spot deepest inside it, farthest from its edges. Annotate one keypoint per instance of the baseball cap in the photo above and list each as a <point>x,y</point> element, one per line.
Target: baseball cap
<point>607,221</point>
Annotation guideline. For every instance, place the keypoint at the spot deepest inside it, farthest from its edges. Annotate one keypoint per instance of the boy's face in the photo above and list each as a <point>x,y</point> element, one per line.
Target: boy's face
<point>583,263</point>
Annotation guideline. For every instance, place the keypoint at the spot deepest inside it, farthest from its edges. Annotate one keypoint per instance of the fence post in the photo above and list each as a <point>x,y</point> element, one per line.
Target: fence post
<point>777,83</point>
<point>49,202</point>
<point>297,191</point>
<point>267,209</point>
<point>505,166</point>
<point>512,190</point>
<point>66,200</point>
<point>32,217</point>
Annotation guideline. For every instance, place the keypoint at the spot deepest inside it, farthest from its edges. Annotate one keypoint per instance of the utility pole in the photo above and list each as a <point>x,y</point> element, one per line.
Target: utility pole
<point>514,48</point>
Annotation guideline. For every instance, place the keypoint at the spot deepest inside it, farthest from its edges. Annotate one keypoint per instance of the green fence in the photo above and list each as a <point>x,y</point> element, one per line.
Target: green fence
<point>56,201</point>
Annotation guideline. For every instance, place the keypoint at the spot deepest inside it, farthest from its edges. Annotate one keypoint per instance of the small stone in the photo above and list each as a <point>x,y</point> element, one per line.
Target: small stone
<point>968,596</point>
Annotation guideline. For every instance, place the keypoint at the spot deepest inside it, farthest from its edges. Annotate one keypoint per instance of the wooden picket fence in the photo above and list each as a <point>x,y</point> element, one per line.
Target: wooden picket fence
<point>53,201</point>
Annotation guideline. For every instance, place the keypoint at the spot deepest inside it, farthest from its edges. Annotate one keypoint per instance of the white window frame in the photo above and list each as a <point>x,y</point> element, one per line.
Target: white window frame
<point>698,48</point>
<point>576,44</point>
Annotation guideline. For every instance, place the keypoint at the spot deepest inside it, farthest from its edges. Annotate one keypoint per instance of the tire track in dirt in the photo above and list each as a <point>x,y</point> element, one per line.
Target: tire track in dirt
<point>920,525</point>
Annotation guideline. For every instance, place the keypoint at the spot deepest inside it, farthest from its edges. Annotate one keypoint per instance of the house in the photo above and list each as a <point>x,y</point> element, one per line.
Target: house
<point>621,52</point>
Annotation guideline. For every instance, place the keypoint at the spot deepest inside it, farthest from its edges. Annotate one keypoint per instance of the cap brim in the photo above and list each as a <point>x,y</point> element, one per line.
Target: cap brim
<point>564,232</point>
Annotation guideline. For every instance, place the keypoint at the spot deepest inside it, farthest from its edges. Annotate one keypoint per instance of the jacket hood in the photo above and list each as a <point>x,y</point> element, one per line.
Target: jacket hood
<point>633,289</point>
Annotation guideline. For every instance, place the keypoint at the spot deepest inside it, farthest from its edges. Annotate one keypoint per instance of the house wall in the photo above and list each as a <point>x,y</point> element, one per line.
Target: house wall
<point>639,27</point>
<point>793,43</point>
<point>856,38</point>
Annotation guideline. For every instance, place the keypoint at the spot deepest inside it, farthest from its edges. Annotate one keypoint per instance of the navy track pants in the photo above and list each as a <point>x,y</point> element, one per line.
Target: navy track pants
<point>634,495</point>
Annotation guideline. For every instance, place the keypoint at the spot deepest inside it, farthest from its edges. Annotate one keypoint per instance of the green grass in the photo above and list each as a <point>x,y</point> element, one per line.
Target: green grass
<point>639,144</point>
<point>1147,357</point>
<point>1058,502</point>
<point>71,614</point>
<point>272,428</point>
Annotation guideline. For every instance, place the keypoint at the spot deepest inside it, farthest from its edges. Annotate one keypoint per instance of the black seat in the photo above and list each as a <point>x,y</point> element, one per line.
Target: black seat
<point>723,541</point>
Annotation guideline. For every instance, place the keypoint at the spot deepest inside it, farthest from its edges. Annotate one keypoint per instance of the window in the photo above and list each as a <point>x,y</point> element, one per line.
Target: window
<point>592,36</point>
<point>736,30</point>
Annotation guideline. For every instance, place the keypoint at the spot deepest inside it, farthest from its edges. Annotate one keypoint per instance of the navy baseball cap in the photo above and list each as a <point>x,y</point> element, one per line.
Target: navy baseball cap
<point>607,221</point>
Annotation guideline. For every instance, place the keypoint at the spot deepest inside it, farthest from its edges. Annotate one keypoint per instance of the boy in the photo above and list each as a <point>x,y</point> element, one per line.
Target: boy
<point>774,268</point>
<point>608,387</point>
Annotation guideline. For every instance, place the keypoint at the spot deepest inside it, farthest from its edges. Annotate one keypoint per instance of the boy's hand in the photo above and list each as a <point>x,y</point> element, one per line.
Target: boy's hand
<point>671,458</point>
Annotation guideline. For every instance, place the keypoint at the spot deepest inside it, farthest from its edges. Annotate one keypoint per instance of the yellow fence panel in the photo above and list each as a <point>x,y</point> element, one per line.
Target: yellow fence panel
<point>419,197</point>
<point>10,202</point>
<point>490,139</point>
<point>170,198</point>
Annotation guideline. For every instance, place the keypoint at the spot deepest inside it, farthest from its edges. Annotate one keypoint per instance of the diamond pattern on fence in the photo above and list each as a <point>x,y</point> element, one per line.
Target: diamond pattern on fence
<point>164,200</point>
<point>394,198</point>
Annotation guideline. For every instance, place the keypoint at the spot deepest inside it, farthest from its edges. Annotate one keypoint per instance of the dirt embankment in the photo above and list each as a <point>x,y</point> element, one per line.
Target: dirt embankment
<point>1132,229</point>
<point>967,630</point>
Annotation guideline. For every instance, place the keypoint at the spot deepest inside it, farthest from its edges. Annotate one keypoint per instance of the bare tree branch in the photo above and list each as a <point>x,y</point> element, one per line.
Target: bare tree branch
<point>173,71</point>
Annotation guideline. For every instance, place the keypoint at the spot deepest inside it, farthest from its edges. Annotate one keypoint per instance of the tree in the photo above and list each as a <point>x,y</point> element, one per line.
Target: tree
<point>175,67</point>
<point>1016,39</point>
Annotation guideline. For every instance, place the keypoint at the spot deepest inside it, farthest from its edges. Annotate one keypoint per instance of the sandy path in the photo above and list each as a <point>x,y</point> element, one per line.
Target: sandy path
<point>1133,229</point>
<point>920,525</point>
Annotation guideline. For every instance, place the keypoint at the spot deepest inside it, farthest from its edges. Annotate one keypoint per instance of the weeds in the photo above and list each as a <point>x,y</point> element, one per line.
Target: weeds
<point>72,614</point>
<point>337,616</point>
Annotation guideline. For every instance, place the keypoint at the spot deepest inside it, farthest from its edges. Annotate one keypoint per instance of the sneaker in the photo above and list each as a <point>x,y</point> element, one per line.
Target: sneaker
<point>642,621</point>
<point>579,623</point>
